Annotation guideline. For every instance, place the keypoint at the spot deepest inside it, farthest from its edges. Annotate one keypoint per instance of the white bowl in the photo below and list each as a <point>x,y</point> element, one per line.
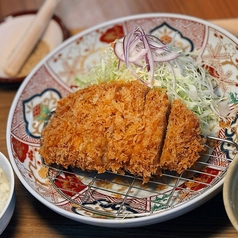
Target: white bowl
<point>230,192</point>
<point>7,212</point>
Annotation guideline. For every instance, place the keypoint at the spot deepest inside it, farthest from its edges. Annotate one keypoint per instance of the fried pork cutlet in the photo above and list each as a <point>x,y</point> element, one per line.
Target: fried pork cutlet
<point>183,142</point>
<point>148,146</point>
<point>117,126</point>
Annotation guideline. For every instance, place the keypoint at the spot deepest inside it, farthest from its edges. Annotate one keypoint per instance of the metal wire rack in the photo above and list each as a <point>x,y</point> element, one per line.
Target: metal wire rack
<point>122,196</point>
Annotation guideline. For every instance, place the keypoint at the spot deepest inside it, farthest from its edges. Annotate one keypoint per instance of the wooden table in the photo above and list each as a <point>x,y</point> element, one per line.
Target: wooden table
<point>33,219</point>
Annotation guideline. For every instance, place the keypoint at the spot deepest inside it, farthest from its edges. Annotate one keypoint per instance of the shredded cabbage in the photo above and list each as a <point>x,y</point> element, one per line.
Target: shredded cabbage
<point>184,78</point>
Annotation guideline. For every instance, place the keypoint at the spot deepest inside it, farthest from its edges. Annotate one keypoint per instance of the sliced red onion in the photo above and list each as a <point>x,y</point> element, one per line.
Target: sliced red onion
<point>134,56</point>
<point>118,50</point>
<point>143,50</point>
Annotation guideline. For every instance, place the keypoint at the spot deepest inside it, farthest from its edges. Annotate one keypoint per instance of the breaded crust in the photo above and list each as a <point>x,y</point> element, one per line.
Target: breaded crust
<point>183,142</point>
<point>148,146</point>
<point>117,126</point>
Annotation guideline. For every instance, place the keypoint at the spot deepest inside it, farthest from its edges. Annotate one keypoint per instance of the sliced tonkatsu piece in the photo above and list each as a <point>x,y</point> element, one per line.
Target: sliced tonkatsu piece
<point>148,145</point>
<point>183,142</point>
<point>126,125</point>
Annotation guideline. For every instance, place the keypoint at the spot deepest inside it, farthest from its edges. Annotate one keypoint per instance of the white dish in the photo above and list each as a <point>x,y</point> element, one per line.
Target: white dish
<point>13,28</point>
<point>7,212</point>
<point>230,193</point>
<point>53,78</point>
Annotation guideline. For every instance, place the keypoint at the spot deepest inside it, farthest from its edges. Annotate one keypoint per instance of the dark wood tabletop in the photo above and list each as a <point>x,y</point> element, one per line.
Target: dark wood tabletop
<point>31,218</point>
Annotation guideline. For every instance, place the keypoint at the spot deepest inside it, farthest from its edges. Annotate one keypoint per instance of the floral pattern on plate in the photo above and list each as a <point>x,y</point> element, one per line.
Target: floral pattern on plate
<point>221,54</point>
<point>168,34</point>
<point>82,53</point>
<point>36,110</point>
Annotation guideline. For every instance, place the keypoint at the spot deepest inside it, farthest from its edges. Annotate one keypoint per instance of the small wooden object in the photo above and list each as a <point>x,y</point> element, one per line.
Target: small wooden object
<point>24,48</point>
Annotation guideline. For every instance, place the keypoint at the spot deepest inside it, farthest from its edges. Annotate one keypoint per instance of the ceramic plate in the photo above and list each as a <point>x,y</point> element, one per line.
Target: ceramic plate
<point>108,199</point>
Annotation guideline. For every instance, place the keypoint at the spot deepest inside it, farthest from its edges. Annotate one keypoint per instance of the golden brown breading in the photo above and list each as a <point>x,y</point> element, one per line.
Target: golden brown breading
<point>117,126</point>
<point>148,146</point>
<point>183,141</point>
<point>128,109</point>
<point>120,126</point>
